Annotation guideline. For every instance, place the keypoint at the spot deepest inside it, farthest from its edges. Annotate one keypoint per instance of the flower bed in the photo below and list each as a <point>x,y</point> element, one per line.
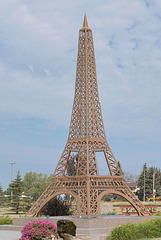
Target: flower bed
<point>38,230</point>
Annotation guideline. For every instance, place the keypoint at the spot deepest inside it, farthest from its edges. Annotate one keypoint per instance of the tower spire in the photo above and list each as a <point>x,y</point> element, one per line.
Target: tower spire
<point>85,23</point>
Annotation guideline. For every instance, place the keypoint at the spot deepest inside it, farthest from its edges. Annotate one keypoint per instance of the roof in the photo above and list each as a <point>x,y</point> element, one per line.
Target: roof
<point>132,184</point>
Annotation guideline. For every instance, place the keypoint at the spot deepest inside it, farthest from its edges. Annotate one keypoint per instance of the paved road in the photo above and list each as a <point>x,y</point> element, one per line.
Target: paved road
<point>9,235</point>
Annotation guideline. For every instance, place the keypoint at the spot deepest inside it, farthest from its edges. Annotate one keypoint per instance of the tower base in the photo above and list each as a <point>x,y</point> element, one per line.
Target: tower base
<point>93,228</point>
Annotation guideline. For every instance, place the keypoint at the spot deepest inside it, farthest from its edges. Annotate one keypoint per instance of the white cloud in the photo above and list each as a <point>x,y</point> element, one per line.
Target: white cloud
<point>31,67</point>
<point>47,72</point>
<point>126,49</point>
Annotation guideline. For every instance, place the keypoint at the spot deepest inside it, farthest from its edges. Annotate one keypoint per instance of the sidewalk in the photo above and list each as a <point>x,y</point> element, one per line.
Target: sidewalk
<point>9,235</point>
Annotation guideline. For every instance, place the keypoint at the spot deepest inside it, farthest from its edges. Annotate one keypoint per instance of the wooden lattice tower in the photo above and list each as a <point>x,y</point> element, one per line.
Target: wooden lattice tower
<point>87,136</point>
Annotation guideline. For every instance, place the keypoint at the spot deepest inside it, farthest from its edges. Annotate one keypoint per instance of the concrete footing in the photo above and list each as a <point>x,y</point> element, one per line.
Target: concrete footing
<point>87,229</point>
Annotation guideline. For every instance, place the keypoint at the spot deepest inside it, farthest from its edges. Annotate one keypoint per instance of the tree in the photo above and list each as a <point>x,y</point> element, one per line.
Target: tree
<point>120,169</point>
<point>129,177</point>
<point>157,182</point>
<point>2,198</point>
<point>156,174</point>
<point>143,174</point>
<point>16,187</point>
<point>57,207</point>
<point>72,165</point>
<point>34,184</point>
<point>107,198</point>
<point>150,173</point>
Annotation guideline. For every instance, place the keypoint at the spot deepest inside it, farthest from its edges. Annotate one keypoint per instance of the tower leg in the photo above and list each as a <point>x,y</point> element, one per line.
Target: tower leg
<point>88,199</point>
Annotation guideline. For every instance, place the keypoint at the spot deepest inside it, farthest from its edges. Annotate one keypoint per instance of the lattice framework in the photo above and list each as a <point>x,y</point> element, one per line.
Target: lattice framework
<point>87,136</point>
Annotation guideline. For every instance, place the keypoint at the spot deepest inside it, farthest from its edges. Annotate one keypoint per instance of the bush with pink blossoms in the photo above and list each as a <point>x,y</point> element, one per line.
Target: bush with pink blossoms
<point>38,230</point>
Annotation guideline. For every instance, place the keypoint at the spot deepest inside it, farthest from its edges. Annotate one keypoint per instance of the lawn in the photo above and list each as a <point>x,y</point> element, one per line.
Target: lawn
<point>8,212</point>
<point>116,206</point>
<point>149,239</point>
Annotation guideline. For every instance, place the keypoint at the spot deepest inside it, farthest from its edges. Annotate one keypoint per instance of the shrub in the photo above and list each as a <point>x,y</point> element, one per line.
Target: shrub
<point>158,213</point>
<point>57,207</point>
<point>110,213</point>
<point>5,220</point>
<point>107,198</point>
<point>130,231</point>
<point>124,232</point>
<point>38,230</point>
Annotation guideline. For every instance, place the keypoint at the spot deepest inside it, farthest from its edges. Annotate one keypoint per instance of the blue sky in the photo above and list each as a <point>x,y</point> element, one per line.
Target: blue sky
<point>38,52</point>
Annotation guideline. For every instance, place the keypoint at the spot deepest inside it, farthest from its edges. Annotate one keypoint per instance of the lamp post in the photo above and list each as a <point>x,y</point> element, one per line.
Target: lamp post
<point>144,186</point>
<point>12,163</point>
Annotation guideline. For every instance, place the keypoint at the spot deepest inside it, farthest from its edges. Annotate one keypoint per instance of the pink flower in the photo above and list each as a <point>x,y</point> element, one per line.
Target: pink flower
<point>38,229</point>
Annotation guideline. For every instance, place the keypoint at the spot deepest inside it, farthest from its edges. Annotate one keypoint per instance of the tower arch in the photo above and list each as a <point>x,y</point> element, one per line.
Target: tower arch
<point>75,196</point>
<point>121,194</point>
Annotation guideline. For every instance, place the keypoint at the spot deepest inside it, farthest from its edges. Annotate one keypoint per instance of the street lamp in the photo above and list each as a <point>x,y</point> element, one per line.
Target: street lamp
<point>12,163</point>
<point>144,186</point>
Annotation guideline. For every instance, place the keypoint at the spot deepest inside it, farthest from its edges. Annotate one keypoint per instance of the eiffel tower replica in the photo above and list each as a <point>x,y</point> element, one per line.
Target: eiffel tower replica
<point>87,136</point>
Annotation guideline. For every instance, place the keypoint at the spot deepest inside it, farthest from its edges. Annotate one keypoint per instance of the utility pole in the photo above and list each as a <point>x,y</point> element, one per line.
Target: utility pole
<point>144,186</point>
<point>12,163</point>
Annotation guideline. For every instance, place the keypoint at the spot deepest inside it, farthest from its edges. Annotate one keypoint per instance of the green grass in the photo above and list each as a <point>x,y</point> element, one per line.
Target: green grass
<point>145,230</point>
<point>150,239</point>
<point>110,213</point>
<point>5,220</point>
<point>7,211</point>
<point>158,214</point>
